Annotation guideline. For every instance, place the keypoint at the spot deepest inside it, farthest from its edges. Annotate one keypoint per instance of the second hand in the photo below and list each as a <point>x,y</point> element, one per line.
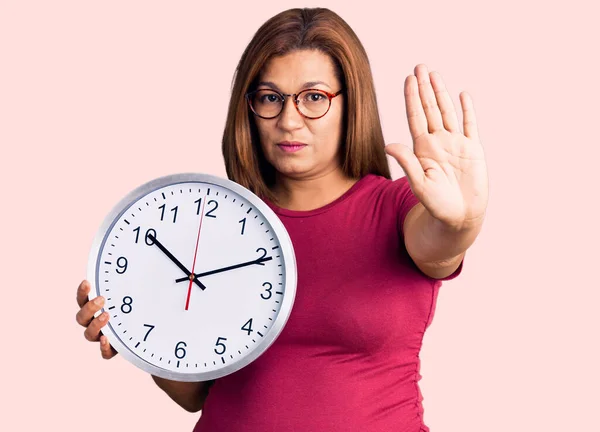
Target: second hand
<point>187,303</point>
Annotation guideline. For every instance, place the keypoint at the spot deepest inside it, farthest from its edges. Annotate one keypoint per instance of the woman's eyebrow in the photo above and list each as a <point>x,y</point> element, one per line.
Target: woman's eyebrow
<point>306,85</point>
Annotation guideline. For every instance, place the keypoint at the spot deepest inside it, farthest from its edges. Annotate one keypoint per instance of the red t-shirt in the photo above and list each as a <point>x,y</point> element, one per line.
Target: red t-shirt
<point>348,357</point>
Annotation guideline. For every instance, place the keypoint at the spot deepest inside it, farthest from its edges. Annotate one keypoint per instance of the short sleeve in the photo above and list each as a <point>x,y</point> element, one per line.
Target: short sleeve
<point>405,200</point>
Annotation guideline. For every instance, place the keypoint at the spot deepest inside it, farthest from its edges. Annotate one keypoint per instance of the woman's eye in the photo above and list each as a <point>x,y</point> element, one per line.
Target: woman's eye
<point>269,98</point>
<point>315,97</point>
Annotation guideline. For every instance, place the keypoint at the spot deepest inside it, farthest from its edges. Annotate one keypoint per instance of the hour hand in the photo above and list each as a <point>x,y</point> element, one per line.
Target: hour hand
<point>176,261</point>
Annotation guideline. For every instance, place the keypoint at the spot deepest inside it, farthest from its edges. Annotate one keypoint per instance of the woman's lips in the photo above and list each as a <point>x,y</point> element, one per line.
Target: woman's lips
<point>287,146</point>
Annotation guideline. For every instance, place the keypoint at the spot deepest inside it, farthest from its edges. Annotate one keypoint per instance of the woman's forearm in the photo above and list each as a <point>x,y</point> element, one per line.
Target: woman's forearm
<point>189,395</point>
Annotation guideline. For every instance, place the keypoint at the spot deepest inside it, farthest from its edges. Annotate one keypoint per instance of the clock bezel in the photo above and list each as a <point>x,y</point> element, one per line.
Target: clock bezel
<point>287,252</point>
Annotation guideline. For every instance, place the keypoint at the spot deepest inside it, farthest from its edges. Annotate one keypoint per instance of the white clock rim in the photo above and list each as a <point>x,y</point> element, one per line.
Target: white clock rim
<point>287,251</point>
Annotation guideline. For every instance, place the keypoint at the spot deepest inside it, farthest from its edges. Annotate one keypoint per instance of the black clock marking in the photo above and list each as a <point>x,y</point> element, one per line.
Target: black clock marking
<point>163,195</point>
<point>260,334</point>
<point>249,210</point>
<point>137,345</point>
<point>127,222</point>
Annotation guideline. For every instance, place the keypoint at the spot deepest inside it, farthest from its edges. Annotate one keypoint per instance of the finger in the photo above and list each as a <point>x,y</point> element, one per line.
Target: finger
<point>445,103</point>
<point>430,105</point>
<point>92,332</point>
<point>417,122</point>
<point>106,349</point>
<point>86,313</point>
<point>82,293</point>
<point>469,120</point>
<point>410,165</point>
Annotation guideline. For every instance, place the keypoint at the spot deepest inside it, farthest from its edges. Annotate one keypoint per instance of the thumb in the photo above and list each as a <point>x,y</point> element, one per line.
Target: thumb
<point>408,161</point>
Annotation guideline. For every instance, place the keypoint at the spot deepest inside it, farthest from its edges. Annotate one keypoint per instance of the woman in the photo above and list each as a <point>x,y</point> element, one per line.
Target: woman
<point>303,133</point>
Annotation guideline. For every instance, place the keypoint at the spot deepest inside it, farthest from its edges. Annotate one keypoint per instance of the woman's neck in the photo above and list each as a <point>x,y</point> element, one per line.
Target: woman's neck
<point>311,193</point>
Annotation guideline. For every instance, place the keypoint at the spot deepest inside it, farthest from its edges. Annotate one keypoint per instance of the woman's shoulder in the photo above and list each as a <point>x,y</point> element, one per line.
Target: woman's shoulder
<point>383,185</point>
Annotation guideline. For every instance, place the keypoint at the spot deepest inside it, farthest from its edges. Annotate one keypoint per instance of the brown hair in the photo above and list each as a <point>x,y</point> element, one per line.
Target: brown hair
<point>308,28</point>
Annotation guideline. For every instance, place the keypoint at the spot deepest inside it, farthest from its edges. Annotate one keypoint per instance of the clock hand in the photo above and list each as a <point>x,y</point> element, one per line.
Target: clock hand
<point>176,261</point>
<point>223,269</point>
<point>192,276</point>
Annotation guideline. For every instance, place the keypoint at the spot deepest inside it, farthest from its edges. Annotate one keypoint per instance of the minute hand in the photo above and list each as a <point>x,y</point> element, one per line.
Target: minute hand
<point>259,261</point>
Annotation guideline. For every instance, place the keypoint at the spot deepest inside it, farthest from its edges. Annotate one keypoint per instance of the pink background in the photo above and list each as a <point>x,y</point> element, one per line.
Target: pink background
<point>97,98</point>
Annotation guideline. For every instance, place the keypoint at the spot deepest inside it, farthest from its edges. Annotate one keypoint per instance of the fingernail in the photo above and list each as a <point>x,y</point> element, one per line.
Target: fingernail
<point>98,300</point>
<point>103,316</point>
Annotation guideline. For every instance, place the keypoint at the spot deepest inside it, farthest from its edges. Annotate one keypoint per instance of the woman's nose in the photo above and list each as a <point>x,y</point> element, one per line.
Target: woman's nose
<point>290,118</point>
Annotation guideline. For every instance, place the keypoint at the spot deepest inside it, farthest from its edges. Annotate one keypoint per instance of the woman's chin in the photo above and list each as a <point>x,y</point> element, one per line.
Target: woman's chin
<point>294,169</point>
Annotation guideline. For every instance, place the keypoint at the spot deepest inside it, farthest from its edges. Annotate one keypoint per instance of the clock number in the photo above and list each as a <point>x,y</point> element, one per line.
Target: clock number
<point>149,241</point>
<point>249,324</point>
<point>137,235</point>
<point>268,290</point>
<point>221,344</point>
<point>162,214</point>
<point>122,266</point>
<point>126,306</point>
<point>199,200</point>
<point>179,350</point>
<point>213,209</point>
<point>151,328</point>
<point>264,252</point>
<point>243,222</point>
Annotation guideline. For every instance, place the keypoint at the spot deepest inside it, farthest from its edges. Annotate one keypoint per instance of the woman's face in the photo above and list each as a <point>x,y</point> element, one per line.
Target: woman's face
<point>290,74</point>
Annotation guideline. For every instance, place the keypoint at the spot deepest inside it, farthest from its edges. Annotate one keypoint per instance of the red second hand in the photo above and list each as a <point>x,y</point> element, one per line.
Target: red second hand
<point>187,303</point>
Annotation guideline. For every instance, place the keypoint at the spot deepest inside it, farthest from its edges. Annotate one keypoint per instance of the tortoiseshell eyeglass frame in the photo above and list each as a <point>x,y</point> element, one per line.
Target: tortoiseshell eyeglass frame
<point>284,96</point>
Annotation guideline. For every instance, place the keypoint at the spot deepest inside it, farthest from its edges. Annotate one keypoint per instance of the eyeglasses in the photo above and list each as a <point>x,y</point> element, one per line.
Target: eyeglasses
<point>310,103</point>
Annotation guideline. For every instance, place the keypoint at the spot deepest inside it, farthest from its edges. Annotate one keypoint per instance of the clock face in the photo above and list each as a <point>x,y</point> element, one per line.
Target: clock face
<point>199,276</point>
